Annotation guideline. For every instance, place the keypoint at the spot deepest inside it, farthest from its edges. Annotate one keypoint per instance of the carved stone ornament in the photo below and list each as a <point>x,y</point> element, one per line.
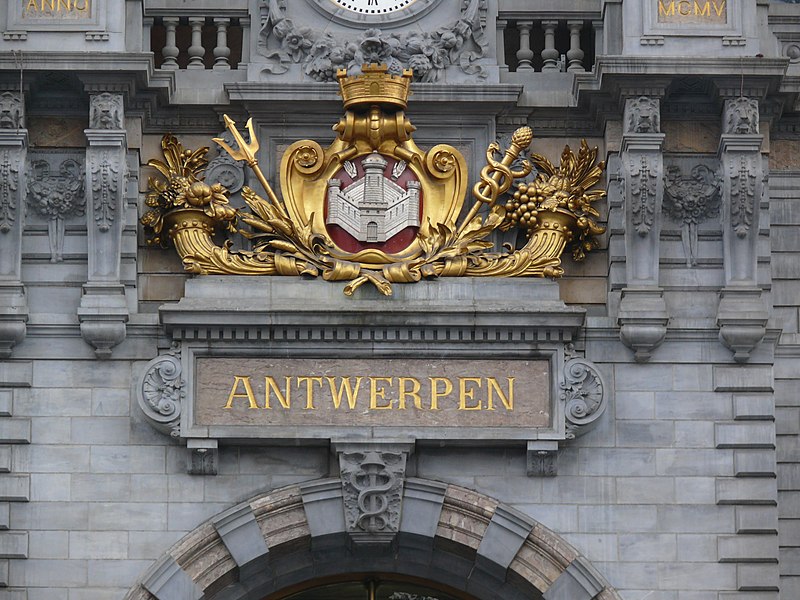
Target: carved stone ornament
<point>407,596</point>
<point>644,175</point>
<point>106,111</point>
<point>55,191</point>
<point>9,185</point>
<point>224,170</point>
<point>690,201</point>
<point>428,53</point>
<point>584,395</point>
<point>12,111</point>
<point>741,116</point>
<point>105,174</point>
<point>642,115</point>
<point>372,486</point>
<point>290,235</point>
<point>160,391</point>
<point>744,179</point>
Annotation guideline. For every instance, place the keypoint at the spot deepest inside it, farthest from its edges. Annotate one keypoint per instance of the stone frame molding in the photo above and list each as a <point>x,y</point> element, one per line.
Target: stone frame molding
<point>447,534</point>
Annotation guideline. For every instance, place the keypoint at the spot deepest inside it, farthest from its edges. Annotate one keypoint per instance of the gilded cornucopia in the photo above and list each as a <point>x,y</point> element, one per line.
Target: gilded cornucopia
<point>373,206</point>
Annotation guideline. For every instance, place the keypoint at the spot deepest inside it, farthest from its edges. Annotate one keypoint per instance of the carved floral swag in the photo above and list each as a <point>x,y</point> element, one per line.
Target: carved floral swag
<point>427,53</point>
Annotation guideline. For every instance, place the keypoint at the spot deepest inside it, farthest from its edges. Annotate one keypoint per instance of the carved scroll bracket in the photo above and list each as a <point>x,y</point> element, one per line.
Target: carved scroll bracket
<point>13,151</point>
<point>103,311</point>
<point>742,313</point>
<point>159,392</point>
<point>372,487</point>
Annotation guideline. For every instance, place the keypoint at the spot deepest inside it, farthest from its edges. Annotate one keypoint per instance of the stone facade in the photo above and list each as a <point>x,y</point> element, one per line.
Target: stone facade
<point>678,480</point>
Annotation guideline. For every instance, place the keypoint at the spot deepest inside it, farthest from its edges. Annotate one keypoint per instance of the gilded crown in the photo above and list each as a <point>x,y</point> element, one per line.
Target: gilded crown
<point>374,86</point>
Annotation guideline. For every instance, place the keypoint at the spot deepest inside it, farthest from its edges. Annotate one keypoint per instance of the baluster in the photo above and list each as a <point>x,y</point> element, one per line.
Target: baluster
<point>575,54</point>
<point>222,52</point>
<point>524,54</point>
<point>170,51</point>
<point>550,54</point>
<point>501,25</point>
<point>196,50</point>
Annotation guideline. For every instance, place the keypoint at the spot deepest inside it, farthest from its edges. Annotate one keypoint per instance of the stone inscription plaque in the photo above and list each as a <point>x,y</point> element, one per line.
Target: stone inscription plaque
<point>692,11</point>
<point>372,392</point>
<point>56,9</point>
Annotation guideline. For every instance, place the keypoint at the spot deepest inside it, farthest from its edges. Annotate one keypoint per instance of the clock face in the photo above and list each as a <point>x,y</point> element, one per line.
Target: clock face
<point>374,7</point>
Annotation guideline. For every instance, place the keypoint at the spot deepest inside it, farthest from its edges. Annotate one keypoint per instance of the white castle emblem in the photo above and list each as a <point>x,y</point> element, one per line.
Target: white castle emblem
<point>373,208</point>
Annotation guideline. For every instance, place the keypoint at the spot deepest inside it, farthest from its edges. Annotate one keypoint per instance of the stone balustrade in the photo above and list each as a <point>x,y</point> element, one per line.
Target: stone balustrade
<point>197,42</point>
<point>546,45</point>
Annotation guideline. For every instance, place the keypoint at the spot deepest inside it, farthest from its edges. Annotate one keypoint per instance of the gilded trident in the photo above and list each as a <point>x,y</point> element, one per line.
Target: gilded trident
<point>247,152</point>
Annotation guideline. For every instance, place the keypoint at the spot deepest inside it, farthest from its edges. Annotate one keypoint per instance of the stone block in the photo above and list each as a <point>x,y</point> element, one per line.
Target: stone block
<point>754,463</point>
<point>639,377</point>
<point>14,544</point>
<point>789,477</point>
<point>578,581</point>
<point>787,421</point>
<point>617,519</point>
<point>48,544</point>
<point>6,402</point>
<point>97,544</point>
<point>128,459</point>
<point>750,490</point>
<point>558,517</point>
<point>595,546</point>
<point>697,576</point>
<point>15,488</point>
<point>645,490</point>
<point>695,490</point>
<point>101,430</point>
<point>185,516</point>
<point>745,435</point>
<point>100,488</point>
<point>748,548</point>
<point>578,490</point>
<point>116,573</point>
<point>694,463</point>
<point>695,519</point>
<point>136,515</point>
<point>753,407</point>
<point>50,487</point>
<point>692,406</point>
<point>756,519</point>
<point>54,402</point>
<point>697,547</point>
<point>645,434</point>
<point>147,544</point>
<point>422,506</point>
<point>648,547</point>
<point>51,459</point>
<point>743,379</point>
<point>789,505</point>
<point>18,373</point>
<point>50,430</point>
<point>634,405</point>
<point>507,531</point>
<point>50,573</point>
<point>167,581</point>
<point>242,536</point>
<point>50,516</point>
<point>617,461</point>
<point>758,577</point>
<point>790,561</point>
<point>111,402</point>
<point>15,431</point>
<point>694,434</point>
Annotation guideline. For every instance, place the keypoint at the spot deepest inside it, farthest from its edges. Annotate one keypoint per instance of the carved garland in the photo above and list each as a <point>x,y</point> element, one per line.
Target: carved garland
<point>9,182</point>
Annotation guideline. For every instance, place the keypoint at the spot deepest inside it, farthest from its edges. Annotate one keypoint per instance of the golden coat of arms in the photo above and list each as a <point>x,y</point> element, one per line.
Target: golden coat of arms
<point>373,206</point>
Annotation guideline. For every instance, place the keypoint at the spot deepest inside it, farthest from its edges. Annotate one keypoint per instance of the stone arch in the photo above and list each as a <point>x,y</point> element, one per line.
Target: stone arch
<point>448,534</point>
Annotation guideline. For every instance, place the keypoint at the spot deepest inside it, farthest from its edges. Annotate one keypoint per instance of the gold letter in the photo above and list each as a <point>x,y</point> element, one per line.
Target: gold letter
<point>352,395</point>
<point>719,9</point>
<point>52,5</point>
<point>84,6</point>
<point>435,394</point>
<point>285,400</point>
<point>310,381</point>
<point>684,5</point>
<point>494,386</point>
<point>702,11</point>
<point>465,393</point>
<point>414,392</point>
<point>376,393</point>
<point>66,4</point>
<point>664,10</point>
<point>248,391</point>
<point>31,5</point>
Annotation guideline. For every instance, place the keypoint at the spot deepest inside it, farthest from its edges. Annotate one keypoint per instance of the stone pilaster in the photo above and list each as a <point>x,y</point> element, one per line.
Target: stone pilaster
<point>13,152</point>
<point>103,311</point>
<point>642,314</point>
<point>742,313</point>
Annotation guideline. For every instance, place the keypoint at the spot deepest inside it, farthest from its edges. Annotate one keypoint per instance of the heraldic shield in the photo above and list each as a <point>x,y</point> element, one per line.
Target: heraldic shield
<point>375,208</point>
<point>373,191</point>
